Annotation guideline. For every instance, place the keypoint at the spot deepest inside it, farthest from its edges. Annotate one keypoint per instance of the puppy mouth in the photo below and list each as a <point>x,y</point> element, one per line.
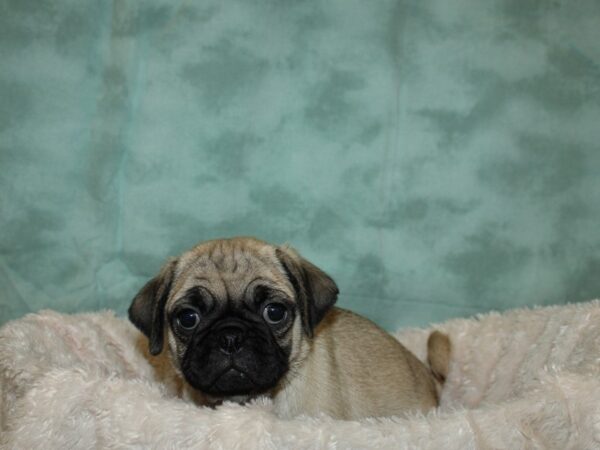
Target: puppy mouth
<point>231,375</point>
<point>233,380</point>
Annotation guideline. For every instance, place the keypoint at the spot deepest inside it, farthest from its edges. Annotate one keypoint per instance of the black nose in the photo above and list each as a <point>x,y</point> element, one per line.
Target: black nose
<point>231,340</point>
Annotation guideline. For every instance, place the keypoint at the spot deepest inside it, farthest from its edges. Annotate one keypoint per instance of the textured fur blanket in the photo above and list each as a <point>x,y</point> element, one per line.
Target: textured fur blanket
<point>522,379</point>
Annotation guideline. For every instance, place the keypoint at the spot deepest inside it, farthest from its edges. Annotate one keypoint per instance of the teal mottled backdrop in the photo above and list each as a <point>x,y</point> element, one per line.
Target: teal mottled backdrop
<point>436,158</point>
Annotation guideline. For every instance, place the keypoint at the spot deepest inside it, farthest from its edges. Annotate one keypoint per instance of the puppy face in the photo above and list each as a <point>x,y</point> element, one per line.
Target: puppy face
<point>235,312</point>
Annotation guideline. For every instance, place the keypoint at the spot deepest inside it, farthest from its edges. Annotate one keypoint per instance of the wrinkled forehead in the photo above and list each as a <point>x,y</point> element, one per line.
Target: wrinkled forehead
<point>229,271</point>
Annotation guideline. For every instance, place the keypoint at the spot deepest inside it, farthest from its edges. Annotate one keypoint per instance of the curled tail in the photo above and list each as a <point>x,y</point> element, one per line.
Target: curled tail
<point>438,355</point>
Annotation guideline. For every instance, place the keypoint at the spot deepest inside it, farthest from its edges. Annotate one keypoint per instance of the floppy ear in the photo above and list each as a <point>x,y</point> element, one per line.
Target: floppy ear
<point>147,310</point>
<point>316,292</point>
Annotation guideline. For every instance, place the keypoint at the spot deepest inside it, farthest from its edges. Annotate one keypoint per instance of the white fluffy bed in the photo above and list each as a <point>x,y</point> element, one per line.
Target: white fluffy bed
<point>522,379</point>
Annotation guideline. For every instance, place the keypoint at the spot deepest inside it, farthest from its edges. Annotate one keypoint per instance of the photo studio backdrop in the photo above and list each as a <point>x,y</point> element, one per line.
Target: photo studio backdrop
<point>438,159</point>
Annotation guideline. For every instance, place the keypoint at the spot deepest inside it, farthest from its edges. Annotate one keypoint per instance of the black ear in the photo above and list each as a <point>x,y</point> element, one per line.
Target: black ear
<point>316,292</point>
<point>147,310</point>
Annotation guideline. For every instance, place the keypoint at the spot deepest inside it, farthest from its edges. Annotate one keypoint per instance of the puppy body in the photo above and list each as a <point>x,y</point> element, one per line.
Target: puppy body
<point>244,318</point>
<point>354,369</point>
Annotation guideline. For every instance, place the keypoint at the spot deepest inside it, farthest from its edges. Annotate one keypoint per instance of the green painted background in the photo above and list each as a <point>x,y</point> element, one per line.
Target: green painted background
<point>437,158</point>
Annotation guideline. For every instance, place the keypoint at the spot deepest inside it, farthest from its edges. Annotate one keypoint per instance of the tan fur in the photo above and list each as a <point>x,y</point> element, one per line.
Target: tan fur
<point>350,368</point>
<point>438,355</point>
<point>354,369</point>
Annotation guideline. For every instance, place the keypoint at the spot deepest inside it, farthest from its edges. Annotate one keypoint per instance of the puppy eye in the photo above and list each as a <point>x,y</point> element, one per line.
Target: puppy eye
<point>274,313</point>
<point>188,319</point>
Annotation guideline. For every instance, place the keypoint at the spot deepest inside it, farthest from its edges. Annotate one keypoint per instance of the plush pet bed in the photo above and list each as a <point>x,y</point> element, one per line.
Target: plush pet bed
<point>522,379</point>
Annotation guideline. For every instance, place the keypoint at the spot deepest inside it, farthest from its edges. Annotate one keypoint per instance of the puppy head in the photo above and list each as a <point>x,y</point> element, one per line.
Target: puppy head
<point>234,311</point>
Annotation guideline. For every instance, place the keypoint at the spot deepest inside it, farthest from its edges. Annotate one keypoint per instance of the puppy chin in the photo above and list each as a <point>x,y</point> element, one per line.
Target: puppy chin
<point>233,384</point>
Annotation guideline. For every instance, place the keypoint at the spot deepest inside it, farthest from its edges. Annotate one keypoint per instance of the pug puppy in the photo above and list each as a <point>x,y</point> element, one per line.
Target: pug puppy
<point>244,318</point>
